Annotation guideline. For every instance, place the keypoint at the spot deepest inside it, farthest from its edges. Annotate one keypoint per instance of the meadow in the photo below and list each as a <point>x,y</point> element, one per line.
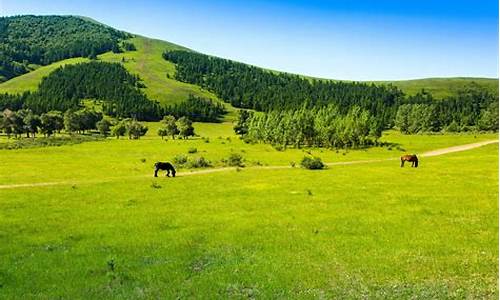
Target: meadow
<point>108,229</point>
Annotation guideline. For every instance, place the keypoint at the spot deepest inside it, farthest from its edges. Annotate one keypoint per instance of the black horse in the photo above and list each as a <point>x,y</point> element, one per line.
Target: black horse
<point>164,166</point>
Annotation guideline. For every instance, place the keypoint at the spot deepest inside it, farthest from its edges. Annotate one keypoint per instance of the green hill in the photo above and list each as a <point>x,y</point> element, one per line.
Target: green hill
<point>146,62</point>
<point>157,74</point>
<point>442,87</point>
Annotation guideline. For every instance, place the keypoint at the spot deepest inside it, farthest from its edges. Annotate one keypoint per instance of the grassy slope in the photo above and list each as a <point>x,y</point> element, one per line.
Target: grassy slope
<point>442,87</point>
<point>147,62</point>
<point>30,81</point>
<point>343,232</point>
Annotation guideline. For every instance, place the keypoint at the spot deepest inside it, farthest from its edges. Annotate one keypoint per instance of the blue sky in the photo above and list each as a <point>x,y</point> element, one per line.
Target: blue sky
<point>343,39</point>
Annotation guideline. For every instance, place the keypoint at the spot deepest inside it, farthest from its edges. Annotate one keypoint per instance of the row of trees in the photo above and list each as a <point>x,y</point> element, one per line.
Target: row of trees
<point>41,40</point>
<point>172,127</point>
<point>320,126</point>
<point>198,109</point>
<point>471,108</point>
<point>24,121</point>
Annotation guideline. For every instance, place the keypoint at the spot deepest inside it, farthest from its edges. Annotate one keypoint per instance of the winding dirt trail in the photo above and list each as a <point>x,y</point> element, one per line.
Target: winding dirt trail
<point>436,152</point>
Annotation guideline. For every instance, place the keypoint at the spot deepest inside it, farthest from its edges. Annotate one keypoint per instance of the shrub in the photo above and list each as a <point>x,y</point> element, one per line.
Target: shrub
<point>180,159</point>
<point>192,150</point>
<point>199,162</point>
<point>234,160</point>
<point>312,163</point>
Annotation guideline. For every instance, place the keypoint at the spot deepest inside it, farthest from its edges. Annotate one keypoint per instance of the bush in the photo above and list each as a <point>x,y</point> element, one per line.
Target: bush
<point>312,163</point>
<point>192,150</point>
<point>180,159</point>
<point>234,160</point>
<point>199,162</point>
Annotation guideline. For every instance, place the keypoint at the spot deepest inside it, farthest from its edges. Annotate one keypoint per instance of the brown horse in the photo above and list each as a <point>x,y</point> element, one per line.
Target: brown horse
<point>410,157</point>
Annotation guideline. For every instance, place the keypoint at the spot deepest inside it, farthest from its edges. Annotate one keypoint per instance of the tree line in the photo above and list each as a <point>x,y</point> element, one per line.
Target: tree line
<point>471,108</point>
<point>42,40</point>
<point>197,109</point>
<point>322,126</point>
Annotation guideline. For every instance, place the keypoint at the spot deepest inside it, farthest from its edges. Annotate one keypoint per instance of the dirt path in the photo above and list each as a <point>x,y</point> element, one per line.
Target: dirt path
<point>208,171</point>
<point>457,148</point>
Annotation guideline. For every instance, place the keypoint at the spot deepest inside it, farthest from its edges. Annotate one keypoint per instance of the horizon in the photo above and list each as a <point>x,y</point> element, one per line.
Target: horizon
<point>350,42</point>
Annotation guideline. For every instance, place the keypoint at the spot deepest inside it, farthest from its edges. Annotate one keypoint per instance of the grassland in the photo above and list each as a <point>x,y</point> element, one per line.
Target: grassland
<point>147,62</point>
<point>371,230</point>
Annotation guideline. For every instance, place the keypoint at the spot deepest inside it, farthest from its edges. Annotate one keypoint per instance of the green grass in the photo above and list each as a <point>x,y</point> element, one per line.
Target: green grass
<point>149,64</point>
<point>372,230</point>
<point>442,87</point>
<point>124,157</point>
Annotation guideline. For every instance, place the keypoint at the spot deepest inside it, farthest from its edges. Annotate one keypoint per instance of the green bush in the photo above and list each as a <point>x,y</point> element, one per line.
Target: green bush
<point>180,159</point>
<point>234,160</point>
<point>192,150</point>
<point>198,162</point>
<point>312,163</point>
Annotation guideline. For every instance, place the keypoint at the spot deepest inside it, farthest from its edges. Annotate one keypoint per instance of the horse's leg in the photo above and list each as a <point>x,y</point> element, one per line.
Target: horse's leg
<point>402,163</point>
<point>156,172</point>
<point>168,173</point>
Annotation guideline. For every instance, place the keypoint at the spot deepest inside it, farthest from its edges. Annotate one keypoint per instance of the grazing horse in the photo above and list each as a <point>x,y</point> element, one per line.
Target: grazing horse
<point>164,166</point>
<point>413,158</point>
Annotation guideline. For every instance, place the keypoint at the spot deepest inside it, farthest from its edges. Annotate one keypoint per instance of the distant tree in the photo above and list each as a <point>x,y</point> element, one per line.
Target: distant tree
<point>452,127</point>
<point>104,126</point>
<point>31,123</point>
<point>135,129</point>
<point>49,123</point>
<point>128,46</point>
<point>162,131</point>
<point>186,128</point>
<point>116,49</point>
<point>402,118</point>
<point>17,122</point>
<point>488,119</point>
<point>170,126</point>
<point>241,126</point>
<point>71,121</point>
<point>8,117</point>
<point>119,129</point>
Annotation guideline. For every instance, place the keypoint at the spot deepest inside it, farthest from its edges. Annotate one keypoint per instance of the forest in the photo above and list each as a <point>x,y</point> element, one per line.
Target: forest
<point>67,86</point>
<point>117,89</point>
<point>40,40</point>
<point>320,126</point>
<point>244,86</point>
<point>197,109</point>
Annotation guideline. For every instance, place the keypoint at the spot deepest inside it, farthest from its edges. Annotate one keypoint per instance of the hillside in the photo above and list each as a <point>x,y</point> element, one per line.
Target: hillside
<point>146,61</point>
<point>28,41</point>
<point>442,87</point>
<point>169,74</point>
